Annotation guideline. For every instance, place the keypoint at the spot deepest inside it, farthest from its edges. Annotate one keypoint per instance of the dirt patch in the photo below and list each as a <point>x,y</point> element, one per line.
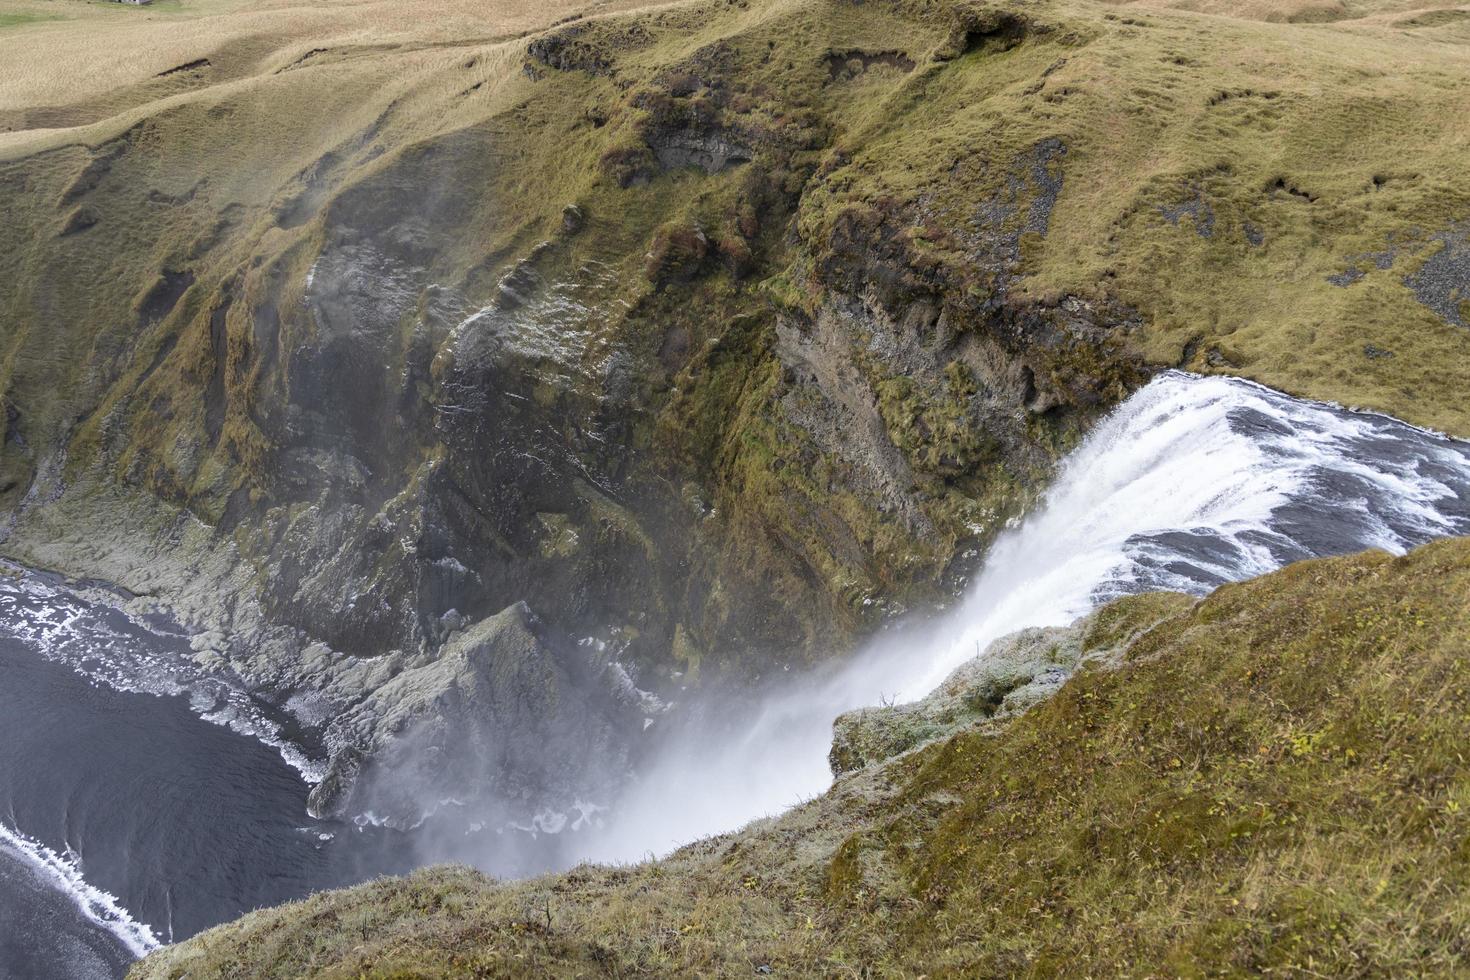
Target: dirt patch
<point>847,65</point>
<point>1194,207</point>
<point>587,47</point>
<point>984,30</point>
<point>1283,186</point>
<point>160,300</point>
<point>198,64</point>
<point>303,59</point>
<point>1357,265</point>
<point>1024,204</point>
<point>99,167</point>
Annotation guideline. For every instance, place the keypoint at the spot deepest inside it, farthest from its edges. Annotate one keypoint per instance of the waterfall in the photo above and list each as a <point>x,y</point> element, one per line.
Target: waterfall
<point>1190,483</point>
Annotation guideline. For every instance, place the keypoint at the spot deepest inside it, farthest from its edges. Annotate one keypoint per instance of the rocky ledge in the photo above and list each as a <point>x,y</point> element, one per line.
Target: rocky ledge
<point>1013,675</point>
<point>1282,759</point>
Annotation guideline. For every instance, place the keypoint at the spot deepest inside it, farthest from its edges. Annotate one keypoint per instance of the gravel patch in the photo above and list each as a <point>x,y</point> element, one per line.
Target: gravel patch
<point>1196,208</point>
<point>1443,281</point>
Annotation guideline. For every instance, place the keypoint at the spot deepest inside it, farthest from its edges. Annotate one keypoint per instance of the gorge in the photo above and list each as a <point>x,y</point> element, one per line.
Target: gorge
<point>713,440</point>
<point>1191,483</point>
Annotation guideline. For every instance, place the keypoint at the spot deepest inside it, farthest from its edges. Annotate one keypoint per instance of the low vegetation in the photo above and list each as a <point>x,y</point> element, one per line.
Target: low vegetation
<point>1271,780</point>
<point>718,331</point>
<point>849,279</point>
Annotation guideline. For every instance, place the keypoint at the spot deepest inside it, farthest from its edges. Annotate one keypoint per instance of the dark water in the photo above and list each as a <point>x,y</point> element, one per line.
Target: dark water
<point>142,800</point>
<point>129,773</point>
<point>186,823</point>
<point>42,934</point>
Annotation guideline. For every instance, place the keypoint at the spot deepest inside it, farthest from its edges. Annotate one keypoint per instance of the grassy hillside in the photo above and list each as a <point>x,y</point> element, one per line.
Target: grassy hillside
<point>717,332</point>
<point>1269,780</point>
<point>1031,203</point>
<point>949,232</point>
<point>1278,203</point>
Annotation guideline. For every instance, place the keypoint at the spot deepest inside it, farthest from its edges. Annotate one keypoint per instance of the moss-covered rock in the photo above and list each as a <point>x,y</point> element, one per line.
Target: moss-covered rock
<point>839,285</point>
<point>1271,779</point>
<point>1015,674</point>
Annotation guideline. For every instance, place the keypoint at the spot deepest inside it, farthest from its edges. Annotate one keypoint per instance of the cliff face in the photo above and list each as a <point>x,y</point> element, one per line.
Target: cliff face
<point>1267,780</point>
<point>713,334</point>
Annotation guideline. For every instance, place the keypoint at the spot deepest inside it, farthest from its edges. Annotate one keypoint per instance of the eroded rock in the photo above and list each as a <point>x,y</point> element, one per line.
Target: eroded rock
<point>1013,674</point>
<point>503,713</point>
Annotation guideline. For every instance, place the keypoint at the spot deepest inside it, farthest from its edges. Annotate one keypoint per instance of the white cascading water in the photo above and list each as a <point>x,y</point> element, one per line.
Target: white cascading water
<point>1191,483</point>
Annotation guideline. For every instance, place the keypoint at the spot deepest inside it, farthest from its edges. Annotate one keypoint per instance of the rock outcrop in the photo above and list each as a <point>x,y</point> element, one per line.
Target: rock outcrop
<point>717,336</point>
<point>500,715</point>
<point>1013,675</point>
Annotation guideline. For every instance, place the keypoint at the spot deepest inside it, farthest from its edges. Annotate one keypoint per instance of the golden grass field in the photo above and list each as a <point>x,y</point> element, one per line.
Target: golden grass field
<point>67,52</point>
<point>1326,138</point>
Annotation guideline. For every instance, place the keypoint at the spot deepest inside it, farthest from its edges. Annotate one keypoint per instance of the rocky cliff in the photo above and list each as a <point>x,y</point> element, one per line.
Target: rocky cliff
<point>711,334</point>
<point>1270,780</point>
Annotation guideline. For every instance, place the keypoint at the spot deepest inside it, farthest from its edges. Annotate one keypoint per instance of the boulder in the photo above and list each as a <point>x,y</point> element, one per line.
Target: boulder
<point>1015,672</point>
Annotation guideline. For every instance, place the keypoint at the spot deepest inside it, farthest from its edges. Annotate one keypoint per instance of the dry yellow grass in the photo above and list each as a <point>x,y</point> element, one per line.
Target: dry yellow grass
<point>1296,11</point>
<point>86,61</point>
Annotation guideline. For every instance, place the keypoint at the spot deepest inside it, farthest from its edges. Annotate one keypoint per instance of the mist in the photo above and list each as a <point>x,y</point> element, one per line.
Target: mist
<point>1191,483</point>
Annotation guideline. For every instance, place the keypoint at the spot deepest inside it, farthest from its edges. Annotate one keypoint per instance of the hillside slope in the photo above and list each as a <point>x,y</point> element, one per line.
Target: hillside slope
<point>1271,779</point>
<point>714,333</point>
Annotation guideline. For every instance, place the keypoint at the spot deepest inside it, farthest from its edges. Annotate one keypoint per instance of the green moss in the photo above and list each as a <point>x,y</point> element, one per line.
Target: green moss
<point>1121,621</point>
<point>934,430</point>
<point>22,18</point>
<point>1272,781</point>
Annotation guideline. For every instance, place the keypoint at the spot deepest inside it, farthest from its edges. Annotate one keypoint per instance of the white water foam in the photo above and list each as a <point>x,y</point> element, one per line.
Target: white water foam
<point>98,906</point>
<point>105,644</point>
<point>1191,483</point>
<point>552,821</point>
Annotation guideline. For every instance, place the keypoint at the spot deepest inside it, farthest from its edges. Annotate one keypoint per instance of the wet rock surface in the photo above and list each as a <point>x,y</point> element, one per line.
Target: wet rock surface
<point>500,714</point>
